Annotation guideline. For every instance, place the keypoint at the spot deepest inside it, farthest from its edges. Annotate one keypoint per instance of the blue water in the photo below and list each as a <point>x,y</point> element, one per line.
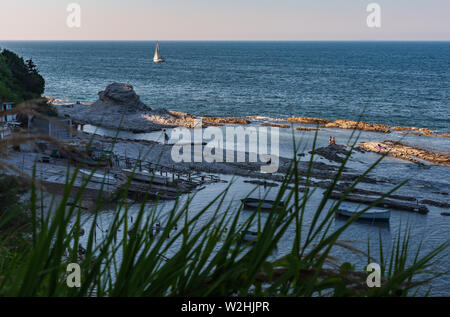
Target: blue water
<point>396,83</point>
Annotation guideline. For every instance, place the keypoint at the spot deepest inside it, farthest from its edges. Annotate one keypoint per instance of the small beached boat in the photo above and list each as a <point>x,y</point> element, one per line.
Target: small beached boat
<point>82,160</point>
<point>250,236</point>
<point>146,177</point>
<point>99,178</point>
<point>254,203</point>
<point>157,58</point>
<point>373,215</point>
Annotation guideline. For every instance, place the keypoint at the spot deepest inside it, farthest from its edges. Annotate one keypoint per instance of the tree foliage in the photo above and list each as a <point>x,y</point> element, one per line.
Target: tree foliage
<point>19,79</point>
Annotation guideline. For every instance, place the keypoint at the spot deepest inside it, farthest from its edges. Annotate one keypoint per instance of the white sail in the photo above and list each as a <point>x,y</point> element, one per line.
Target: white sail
<point>157,58</point>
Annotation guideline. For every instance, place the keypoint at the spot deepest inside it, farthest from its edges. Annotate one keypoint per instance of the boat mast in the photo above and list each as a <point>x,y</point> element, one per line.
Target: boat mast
<point>156,57</point>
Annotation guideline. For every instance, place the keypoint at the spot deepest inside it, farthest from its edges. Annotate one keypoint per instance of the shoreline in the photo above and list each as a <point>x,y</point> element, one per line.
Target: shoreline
<point>323,170</point>
<point>114,114</point>
<point>321,177</point>
<point>159,119</point>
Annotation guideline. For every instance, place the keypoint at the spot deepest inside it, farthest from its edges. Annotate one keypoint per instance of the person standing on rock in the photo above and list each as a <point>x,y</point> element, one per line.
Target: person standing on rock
<point>166,137</point>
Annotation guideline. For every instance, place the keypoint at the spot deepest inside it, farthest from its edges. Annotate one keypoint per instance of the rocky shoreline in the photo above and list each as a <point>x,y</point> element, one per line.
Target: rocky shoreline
<point>320,174</point>
<point>120,107</point>
<point>399,150</point>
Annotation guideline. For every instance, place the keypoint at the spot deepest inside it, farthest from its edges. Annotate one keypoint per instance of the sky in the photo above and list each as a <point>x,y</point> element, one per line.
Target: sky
<point>282,20</point>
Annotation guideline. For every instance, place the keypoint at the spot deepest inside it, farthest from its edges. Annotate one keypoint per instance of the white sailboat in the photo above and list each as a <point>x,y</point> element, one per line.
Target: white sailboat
<point>157,58</point>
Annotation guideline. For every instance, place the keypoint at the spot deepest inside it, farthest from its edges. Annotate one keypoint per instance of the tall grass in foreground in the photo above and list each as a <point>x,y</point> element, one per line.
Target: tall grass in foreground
<point>211,259</point>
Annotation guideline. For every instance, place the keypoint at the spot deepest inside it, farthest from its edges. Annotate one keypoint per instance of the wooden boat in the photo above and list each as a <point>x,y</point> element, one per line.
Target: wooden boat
<point>87,161</point>
<point>250,236</point>
<point>262,204</point>
<point>143,184</point>
<point>146,177</point>
<point>385,203</point>
<point>154,230</point>
<point>99,178</point>
<point>372,215</point>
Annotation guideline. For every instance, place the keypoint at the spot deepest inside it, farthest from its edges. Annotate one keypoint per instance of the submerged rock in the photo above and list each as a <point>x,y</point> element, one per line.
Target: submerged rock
<point>435,203</point>
<point>276,125</point>
<point>306,129</point>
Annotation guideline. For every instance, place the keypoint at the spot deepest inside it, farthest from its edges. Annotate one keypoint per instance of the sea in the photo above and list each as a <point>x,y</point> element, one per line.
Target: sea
<point>394,83</point>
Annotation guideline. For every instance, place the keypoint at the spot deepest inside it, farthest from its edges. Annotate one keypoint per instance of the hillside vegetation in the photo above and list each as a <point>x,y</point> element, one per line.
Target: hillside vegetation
<point>19,79</point>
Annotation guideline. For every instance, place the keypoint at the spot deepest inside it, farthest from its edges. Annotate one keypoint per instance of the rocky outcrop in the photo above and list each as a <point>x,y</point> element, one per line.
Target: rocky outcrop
<point>173,118</point>
<point>413,129</point>
<point>435,203</point>
<point>118,106</point>
<point>306,129</point>
<point>276,125</point>
<point>308,120</point>
<point>227,120</point>
<point>122,98</point>
<point>409,153</point>
<point>439,135</point>
<point>364,126</point>
<point>333,152</point>
<point>421,131</point>
<point>358,125</point>
<point>342,124</point>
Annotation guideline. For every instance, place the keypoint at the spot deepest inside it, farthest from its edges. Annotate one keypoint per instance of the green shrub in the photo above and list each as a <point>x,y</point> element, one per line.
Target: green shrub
<point>19,79</point>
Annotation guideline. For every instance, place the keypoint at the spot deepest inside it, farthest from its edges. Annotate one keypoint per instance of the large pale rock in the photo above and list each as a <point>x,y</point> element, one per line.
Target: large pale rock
<point>122,97</point>
<point>119,107</point>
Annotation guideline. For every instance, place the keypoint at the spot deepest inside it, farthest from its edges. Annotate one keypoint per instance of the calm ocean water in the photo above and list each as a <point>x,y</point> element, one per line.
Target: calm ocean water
<point>403,83</point>
<point>395,83</point>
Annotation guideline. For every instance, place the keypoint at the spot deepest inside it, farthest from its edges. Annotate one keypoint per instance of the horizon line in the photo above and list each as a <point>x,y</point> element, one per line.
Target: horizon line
<point>121,40</point>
